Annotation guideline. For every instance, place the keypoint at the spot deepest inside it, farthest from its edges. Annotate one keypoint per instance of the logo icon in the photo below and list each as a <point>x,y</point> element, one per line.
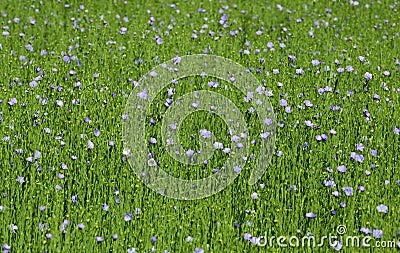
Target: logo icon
<point>164,76</point>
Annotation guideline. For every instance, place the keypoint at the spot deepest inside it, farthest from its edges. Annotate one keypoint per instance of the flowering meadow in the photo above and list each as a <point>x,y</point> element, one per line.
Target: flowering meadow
<point>330,69</point>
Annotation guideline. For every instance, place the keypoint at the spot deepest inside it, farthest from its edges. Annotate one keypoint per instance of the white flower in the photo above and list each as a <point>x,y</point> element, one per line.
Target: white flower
<point>126,152</point>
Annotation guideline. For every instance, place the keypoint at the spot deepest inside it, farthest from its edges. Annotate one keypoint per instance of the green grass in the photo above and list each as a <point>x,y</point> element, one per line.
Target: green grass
<point>210,221</point>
